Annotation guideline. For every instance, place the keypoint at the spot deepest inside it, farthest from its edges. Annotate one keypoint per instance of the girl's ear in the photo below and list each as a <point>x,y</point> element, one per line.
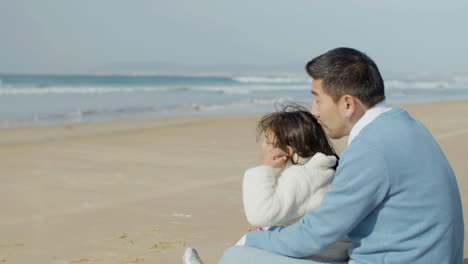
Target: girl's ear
<point>290,151</point>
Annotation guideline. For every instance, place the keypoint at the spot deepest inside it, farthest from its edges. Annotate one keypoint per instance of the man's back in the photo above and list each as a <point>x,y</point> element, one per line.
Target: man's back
<point>419,219</point>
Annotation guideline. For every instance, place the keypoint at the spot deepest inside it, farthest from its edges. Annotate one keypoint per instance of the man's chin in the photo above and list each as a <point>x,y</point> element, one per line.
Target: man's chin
<point>332,135</point>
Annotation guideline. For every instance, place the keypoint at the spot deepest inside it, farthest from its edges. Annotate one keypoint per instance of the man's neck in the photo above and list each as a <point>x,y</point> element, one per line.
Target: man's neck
<point>366,118</point>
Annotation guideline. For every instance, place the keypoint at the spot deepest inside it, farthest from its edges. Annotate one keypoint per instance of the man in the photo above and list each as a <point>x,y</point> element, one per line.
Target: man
<point>394,193</point>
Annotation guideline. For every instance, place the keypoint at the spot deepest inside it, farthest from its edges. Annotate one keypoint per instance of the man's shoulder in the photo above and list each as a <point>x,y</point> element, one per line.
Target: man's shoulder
<point>393,136</point>
<point>387,128</point>
<point>375,140</point>
<point>390,118</point>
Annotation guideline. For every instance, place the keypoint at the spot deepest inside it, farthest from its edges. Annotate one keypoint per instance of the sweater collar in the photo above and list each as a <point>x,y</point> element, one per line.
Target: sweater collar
<point>370,115</point>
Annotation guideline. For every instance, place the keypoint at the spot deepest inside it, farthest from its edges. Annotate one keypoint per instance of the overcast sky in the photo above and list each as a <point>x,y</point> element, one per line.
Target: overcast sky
<point>86,36</point>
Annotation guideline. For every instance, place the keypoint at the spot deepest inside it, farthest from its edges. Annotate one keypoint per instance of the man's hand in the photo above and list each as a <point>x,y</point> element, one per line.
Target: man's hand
<point>273,157</point>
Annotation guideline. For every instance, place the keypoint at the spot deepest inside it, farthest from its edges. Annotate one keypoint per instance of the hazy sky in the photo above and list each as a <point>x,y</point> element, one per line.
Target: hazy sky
<point>84,36</point>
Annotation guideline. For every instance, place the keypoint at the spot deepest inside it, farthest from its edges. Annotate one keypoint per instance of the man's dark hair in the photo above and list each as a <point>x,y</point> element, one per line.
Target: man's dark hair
<point>348,71</point>
<point>296,127</point>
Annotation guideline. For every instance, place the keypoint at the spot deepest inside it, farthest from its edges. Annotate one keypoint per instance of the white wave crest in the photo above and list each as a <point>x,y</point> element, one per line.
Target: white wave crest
<point>280,100</point>
<point>272,79</point>
<point>247,89</point>
<point>396,84</point>
<point>240,89</point>
<point>461,78</point>
<point>252,103</point>
<point>76,90</point>
<point>227,89</point>
<point>235,105</point>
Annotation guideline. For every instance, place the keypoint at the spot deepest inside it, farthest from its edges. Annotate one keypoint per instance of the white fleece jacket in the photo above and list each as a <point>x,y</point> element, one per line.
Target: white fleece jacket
<point>280,197</point>
<point>275,197</point>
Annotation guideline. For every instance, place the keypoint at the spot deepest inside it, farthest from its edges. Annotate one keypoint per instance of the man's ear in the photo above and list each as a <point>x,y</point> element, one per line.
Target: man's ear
<point>348,105</point>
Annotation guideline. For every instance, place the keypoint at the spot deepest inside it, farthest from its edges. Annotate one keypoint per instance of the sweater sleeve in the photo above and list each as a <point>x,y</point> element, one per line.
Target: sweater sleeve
<point>276,197</point>
<point>360,185</point>
<point>258,193</point>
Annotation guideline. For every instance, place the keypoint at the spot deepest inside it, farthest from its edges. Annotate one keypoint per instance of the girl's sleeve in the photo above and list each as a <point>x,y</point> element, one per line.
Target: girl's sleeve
<point>275,196</point>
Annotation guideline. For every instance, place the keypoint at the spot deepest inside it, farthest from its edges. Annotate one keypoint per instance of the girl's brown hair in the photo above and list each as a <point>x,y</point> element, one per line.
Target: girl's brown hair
<point>296,127</point>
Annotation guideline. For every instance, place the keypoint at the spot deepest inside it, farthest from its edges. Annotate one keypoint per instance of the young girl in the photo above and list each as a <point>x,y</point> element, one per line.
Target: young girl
<point>281,196</point>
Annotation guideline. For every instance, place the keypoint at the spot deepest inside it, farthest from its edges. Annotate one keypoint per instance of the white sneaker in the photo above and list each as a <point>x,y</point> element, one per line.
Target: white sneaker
<point>191,256</point>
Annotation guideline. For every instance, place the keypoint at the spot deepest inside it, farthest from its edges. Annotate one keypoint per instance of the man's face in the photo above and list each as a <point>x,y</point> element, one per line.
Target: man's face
<point>328,112</point>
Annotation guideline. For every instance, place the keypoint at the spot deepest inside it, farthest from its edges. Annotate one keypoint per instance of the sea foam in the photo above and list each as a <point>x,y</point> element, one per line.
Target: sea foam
<point>41,100</point>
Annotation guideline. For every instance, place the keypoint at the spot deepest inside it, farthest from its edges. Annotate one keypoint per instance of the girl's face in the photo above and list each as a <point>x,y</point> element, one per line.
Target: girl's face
<point>269,142</point>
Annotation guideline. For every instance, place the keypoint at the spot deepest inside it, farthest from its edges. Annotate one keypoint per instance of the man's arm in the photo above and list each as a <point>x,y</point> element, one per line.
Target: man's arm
<point>360,185</point>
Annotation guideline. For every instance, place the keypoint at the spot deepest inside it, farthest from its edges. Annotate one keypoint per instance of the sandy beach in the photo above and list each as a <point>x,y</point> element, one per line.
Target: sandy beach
<point>141,191</point>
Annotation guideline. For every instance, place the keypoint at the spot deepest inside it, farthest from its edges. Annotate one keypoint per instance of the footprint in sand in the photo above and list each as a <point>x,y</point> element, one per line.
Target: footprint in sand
<point>11,245</point>
<point>142,233</point>
<point>123,236</point>
<point>137,260</point>
<point>7,250</point>
<point>168,244</point>
<point>84,260</point>
<point>182,215</point>
<point>141,245</point>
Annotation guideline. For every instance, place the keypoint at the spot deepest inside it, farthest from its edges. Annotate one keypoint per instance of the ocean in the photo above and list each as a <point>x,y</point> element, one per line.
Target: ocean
<point>39,100</point>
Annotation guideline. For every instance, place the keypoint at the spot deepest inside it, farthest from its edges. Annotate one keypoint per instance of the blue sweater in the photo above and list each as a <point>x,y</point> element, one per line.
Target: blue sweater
<point>395,196</point>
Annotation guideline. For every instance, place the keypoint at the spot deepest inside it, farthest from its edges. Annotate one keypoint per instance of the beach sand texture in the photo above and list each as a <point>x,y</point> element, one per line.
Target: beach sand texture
<point>141,191</point>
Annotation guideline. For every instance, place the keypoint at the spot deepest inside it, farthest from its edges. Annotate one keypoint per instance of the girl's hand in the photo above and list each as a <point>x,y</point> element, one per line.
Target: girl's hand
<point>273,157</point>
